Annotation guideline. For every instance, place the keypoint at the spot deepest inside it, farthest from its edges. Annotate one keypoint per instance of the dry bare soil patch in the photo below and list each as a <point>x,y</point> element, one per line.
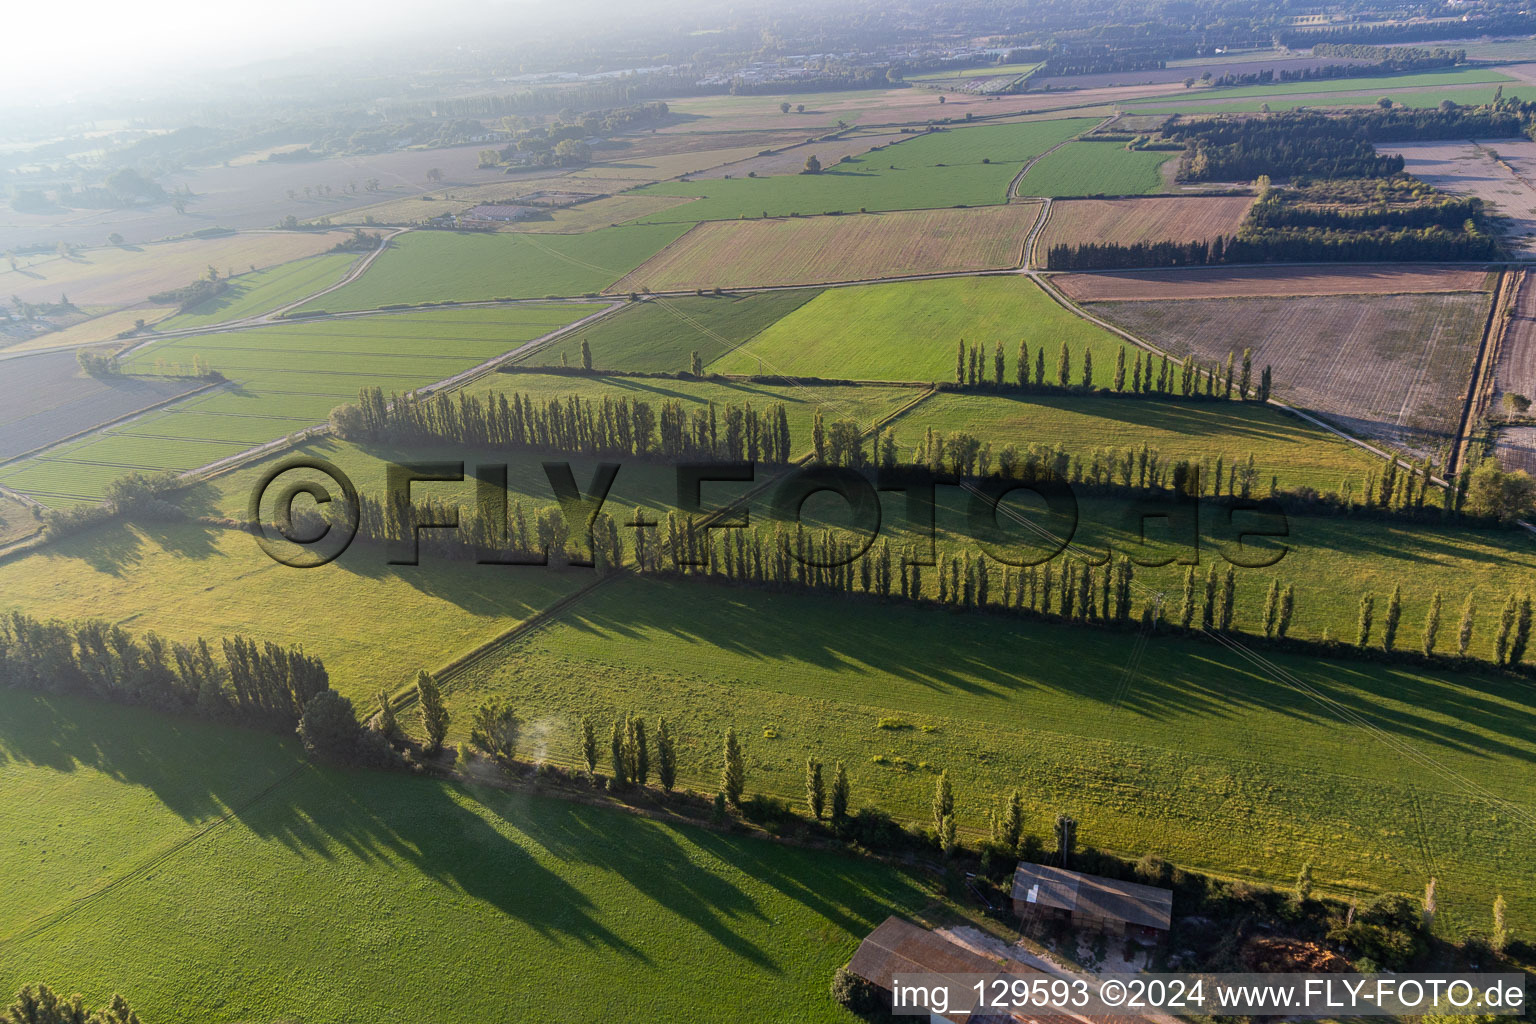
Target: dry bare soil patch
<point>124,276</point>
<point>820,250</point>
<point>1154,219</point>
<point>46,397</point>
<point>1516,367</point>
<point>1516,448</point>
<point>1240,282</point>
<point>1501,172</point>
<point>1393,367</point>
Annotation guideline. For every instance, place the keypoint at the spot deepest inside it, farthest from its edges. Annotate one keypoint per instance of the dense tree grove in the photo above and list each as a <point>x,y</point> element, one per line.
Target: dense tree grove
<point>1282,145</point>
<point>573,425</point>
<point>42,1005</point>
<point>1330,221</point>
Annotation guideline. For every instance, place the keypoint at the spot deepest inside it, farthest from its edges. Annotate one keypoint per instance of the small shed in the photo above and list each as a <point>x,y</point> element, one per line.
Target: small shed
<point>1089,901</point>
<point>901,947</point>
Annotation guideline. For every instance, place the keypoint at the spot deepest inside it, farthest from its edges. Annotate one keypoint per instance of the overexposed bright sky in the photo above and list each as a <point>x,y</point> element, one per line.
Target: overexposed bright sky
<point>54,49</point>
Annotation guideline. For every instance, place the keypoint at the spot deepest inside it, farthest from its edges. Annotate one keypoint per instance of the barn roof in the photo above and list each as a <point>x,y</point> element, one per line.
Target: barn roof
<point>900,947</point>
<point>1075,892</point>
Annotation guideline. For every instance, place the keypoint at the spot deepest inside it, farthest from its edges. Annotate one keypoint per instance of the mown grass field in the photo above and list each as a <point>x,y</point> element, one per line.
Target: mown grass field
<point>283,378</point>
<point>822,250</point>
<point>910,331</point>
<point>447,266</point>
<point>349,894</point>
<point>963,166</point>
<point>1295,451</point>
<point>1096,168</point>
<point>1394,367</point>
<point>265,290</point>
<point>1181,750</point>
<point>660,335</point>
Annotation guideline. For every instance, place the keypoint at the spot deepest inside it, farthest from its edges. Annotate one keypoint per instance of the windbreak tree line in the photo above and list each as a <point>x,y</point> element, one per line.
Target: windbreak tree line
<point>261,684</point>
<point>573,425</point>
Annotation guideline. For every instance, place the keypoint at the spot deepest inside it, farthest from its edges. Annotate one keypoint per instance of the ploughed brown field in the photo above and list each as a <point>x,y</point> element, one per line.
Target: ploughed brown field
<point>824,250</point>
<point>1515,370</point>
<point>1240,282</point>
<point>1153,219</point>
<point>1392,367</point>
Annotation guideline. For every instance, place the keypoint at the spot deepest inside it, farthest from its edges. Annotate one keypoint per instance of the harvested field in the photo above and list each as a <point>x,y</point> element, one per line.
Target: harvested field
<point>822,250</point>
<point>1217,283</point>
<point>115,277</point>
<point>1128,221</point>
<point>1501,172</point>
<point>598,213</point>
<point>1394,367</point>
<point>94,331</point>
<point>46,397</point>
<point>1516,367</point>
<point>254,196</point>
<point>1515,448</point>
<point>792,160</point>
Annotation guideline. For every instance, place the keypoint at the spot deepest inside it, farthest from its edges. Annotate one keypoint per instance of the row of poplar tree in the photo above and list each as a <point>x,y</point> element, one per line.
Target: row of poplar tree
<point>1185,377</point>
<point>1511,636</point>
<point>255,683</point>
<point>612,426</point>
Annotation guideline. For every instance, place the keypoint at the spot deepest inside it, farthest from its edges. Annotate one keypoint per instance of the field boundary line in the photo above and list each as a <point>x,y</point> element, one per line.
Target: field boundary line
<point>1506,294</point>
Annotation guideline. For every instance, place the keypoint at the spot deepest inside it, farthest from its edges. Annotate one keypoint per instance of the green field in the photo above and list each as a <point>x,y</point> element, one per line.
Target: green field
<point>346,896</point>
<point>661,335</point>
<point>186,580</point>
<point>447,266</point>
<point>986,72</point>
<point>283,378</point>
<point>910,331</point>
<point>961,166</point>
<point>1427,98</point>
<point>1183,750</point>
<point>265,290</point>
<point>1096,168</point>
<point>1421,80</point>
<point>1298,453</point>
